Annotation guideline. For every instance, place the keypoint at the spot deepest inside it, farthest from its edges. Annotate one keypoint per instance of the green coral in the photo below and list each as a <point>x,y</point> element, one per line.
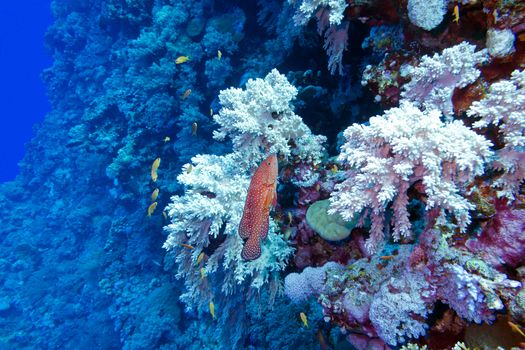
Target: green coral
<point>331,227</point>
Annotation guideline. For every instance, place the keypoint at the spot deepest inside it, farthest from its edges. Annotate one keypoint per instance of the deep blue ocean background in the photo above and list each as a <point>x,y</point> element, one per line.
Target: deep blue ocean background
<point>23,57</point>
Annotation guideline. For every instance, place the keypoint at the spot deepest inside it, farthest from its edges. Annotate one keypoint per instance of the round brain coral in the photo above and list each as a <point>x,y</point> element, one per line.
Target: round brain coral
<point>331,227</point>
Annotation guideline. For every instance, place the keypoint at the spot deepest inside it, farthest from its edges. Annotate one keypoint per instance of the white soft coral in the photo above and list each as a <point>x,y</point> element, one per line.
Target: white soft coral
<point>259,120</point>
<point>504,107</point>
<point>399,148</point>
<point>434,79</point>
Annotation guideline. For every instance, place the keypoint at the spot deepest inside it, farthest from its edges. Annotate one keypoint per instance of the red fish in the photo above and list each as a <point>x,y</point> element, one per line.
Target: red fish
<point>256,215</point>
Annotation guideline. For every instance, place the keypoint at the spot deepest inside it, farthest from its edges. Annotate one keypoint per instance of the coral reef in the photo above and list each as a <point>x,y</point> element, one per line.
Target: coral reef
<point>258,120</point>
<point>403,225</point>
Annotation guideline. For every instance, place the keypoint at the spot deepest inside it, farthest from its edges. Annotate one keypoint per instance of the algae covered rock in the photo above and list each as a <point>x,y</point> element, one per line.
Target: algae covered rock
<point>329,227</point>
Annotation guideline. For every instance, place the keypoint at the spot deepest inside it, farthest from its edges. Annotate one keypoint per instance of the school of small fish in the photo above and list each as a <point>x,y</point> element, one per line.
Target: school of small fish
<point>151,208</point>
<point>154,168</point>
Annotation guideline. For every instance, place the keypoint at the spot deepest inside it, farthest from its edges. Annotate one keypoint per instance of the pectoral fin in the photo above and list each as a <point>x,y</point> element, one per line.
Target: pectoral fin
<point>264,228</point>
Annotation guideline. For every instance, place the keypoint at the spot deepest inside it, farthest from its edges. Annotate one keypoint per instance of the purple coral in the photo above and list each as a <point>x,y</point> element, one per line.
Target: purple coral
<point>502,240</point>
<point>299,287</point>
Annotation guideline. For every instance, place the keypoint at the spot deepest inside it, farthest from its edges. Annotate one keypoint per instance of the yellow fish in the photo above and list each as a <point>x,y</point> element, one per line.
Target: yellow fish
<point>165,215</point>
<point>334,169</point>
<point>211,112</point>
<point>187,246</point>
<point>154,195</point>
<point>182,59</point>
<point>186,94</point>
<point>212,309</point>
<point>154,168</point>
<point>151,208</point>
<point>290,218</point>
<point>200,257</point>
<point>515,328</point>
<point>304,319</point>
<point>167,139</point>
<point>189,168</point>
<point>194,128</point>
<point>203,273</point>
<point>219,54</point>
<point>456,14</point>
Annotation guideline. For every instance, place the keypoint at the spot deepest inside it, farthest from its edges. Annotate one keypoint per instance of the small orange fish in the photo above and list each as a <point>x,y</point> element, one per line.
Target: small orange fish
<point>456,14</point>
<point>151,208</point>
<point>515,328</point>
<point>154,195</point>
<point>521,37</point>
<point>322,342</point>
<point>212,309</point>
<point>182,59</point>
<point>304,319</point>
<point>386,257</point>
<point>194,128</point>
<point>186,94</point>
<point>200,257</point>
<point>154,168</point>
<point>256,214</point>
<point>187,246</point>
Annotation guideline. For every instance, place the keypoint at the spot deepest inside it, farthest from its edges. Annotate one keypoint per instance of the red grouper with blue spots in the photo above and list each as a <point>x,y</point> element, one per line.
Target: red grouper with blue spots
<point>262,195</point>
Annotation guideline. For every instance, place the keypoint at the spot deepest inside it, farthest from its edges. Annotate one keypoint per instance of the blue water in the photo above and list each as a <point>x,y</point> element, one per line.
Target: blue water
<point>22,93</point>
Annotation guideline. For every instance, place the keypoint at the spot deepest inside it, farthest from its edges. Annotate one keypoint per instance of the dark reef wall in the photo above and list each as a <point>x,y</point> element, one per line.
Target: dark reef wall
<point>81,261</point>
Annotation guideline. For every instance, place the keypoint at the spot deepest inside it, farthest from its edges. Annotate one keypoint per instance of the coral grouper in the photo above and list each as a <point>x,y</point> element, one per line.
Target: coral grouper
<point>255,218</point>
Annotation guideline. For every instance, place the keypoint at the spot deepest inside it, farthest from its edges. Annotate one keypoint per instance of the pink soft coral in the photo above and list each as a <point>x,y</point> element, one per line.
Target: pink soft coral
<point>502,240</point>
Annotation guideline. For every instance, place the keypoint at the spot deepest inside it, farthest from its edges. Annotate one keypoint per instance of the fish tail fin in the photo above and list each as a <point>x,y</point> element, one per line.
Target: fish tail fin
<point>252,248</point>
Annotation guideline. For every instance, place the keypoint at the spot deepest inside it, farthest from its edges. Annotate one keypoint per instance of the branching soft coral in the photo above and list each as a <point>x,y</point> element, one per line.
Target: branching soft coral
<point>434,79</point>
<point>259,120</point>
<point>395,151</point>
<point>335,9</point>
<point>504,107</point>
<point>330,24</point>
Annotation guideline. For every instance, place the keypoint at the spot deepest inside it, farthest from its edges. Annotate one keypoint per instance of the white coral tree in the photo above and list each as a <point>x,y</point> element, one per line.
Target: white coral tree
<point>259,120</point>
<point>504,107</point>
<point>398,149</point>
